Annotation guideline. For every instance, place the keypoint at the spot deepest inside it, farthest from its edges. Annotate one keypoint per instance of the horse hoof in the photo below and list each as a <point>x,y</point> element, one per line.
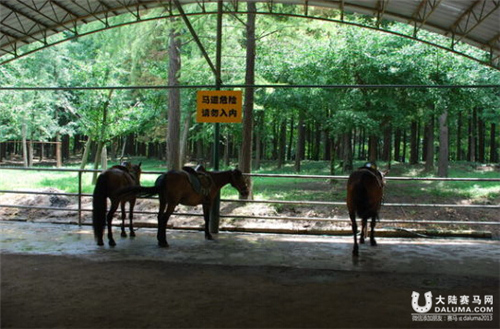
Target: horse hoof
<point>362,241</point>
<point>124,235</point>
<point>132,234</point>
<point>163,244</point>
<point>373,242</point>
<point>100,243</point>
<point>355,251</point>
<point>112,243</point>
<point>209,237</point>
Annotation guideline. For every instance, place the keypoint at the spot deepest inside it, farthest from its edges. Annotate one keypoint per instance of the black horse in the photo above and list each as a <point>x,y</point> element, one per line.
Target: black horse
<point>365,190</point>
<point>108,184</point>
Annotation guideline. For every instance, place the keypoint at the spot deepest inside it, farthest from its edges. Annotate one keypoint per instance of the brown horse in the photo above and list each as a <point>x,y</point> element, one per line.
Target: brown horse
<point>108,183</point>
<point>189,187</point>
<point>365,190</point>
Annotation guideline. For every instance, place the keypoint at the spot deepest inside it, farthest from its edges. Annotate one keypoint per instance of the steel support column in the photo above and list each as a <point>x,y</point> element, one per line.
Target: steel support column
<point>215,213</point>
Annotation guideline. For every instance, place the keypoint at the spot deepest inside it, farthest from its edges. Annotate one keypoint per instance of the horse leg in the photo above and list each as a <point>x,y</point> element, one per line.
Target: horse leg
<point>363,230</point>
<point>355,251</point>
<point>206,216</point>
<point>131,218</point>
<point>161,234</point>
<point>372,233</point>
<point>122,205</point>
<point>112,210</point>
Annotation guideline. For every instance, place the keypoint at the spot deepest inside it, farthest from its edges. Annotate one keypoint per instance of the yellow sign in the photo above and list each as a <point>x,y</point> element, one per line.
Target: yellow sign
<point>223,106</point>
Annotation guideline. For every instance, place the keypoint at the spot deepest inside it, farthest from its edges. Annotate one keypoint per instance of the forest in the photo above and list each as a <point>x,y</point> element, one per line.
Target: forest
<point>284,123</point>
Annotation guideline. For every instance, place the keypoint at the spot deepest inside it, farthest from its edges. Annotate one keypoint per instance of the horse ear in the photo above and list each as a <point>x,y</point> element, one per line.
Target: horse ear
<point>140,163</point>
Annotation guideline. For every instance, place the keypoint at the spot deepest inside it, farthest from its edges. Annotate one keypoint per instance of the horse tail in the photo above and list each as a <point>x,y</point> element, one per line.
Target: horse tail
<point>366,205</point>
<point>361,199</point>
<point>99,206</point>
<point>137,190</point>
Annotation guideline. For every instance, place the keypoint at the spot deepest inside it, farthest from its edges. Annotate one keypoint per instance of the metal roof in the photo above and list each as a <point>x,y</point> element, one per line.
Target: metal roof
<point>26,25</point>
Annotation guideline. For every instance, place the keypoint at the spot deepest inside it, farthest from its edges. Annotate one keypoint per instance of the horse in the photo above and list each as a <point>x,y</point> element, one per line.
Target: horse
<point>108,184</point>
<point>365,190</point>
<point>188,187</point>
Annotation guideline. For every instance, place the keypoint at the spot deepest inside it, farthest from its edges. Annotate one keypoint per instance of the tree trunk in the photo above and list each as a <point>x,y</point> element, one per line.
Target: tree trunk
<point>301,138</point>
<point>24,144</point>
<point>227,149</point>
<point>58,151</point>
<point>414,143</point>
<point>282,144</point>
<point>493,146</point>
<point>480,140</point>
<point>290,140</point>
<point>403,158</point>
<point>327,154</point>
<point>347,152</point>
<point>361,144</point>
<point>459,137</point>
<point>104,158</point>
<point>258,149</point>
<point>397,145</point>
<point>97,159</point>
<point>443,145</point>
<point>429,146</point>
<point>246,144</point>
<point>174,101</point>
<point>31,150</point>
<point>472,137</point>
<point>332,157</point>
<point>184,140</point>
<point>86,151</point>
<point>102,136</point>
<point>387,150</point>
<point>373,146</point>
<point>124,145</point>
<point>317,142</point>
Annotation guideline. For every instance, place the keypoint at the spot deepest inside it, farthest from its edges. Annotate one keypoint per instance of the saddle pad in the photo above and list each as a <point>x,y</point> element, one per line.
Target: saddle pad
<point>200,181</point>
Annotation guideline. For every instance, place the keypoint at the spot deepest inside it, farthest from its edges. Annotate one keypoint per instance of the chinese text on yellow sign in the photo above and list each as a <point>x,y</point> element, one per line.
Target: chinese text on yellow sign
<point>223,106</point>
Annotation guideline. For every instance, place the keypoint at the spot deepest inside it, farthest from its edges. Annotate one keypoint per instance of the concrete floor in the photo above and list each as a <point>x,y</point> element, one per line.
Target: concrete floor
<point>468,257</point>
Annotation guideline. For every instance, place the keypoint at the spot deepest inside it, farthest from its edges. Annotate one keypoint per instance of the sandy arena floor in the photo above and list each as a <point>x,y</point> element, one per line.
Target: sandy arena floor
<point>56,276</point>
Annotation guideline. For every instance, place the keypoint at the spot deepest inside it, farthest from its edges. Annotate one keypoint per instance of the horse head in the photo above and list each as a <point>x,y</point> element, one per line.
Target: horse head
<point>238,182</point>
<point>134,170</point>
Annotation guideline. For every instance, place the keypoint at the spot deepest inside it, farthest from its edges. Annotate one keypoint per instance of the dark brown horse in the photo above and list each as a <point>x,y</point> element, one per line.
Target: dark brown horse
<point>189,187</point>
<point>365,190</point>
<point>108,183</point>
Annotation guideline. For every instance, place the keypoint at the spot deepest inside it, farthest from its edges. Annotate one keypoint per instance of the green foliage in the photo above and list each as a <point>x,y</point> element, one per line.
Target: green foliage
<point>289,51</point>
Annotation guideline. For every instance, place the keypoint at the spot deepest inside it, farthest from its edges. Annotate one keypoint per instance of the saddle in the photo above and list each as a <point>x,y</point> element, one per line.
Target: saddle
<point>126,167</point>
<point>200,179</point>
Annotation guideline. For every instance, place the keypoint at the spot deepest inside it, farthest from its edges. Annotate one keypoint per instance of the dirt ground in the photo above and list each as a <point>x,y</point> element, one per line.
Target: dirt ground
<point>58,292</point>
<point>54,276</point>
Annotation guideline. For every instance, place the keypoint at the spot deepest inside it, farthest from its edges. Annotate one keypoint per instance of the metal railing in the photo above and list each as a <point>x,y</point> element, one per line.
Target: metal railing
<point>80,195</point>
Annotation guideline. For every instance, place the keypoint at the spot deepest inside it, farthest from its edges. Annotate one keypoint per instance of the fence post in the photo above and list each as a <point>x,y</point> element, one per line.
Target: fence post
<point>79,198</point>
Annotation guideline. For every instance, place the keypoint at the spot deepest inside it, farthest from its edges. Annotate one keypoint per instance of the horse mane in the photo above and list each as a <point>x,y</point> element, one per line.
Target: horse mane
<point>372,168</point>
<point>120,167</point>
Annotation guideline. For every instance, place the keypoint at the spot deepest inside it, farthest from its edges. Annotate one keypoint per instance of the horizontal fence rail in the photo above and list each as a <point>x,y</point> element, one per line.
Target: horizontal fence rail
<point>80,195</point>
